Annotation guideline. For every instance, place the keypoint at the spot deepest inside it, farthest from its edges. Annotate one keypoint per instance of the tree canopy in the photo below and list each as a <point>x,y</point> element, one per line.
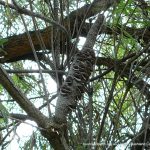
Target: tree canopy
<point>79,69</point>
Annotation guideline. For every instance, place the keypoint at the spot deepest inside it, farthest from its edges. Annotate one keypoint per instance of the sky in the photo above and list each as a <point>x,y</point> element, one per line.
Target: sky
<point>25,130</point>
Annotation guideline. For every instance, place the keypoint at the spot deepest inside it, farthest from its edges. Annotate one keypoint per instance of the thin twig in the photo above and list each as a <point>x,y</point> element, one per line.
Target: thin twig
<point>30,13</point>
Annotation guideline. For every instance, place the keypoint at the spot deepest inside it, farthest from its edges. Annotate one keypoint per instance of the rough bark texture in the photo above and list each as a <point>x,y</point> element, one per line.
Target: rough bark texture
<point>21,99</point>
<point>78,75</point>
<point>45,124</point>
<point>18,46</point>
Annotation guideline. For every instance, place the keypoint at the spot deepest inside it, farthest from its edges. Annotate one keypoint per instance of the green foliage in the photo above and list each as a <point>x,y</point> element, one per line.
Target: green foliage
<point>81,147</point>
<point>3,41</point>
<point>128,102</point>
<point>4,113</point>
<point>1,89</point>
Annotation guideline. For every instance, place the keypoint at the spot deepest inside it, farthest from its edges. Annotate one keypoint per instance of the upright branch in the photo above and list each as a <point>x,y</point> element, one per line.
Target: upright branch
<point>78,75</point>
<point>56,42</point>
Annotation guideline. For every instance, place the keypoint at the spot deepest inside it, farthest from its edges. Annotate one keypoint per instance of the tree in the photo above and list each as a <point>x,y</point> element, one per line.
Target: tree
<point>103,91</point>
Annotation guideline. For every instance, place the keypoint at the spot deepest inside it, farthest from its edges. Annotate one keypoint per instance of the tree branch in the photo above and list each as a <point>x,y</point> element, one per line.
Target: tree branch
<point>34,71</point>
<point>20,98</point>
<point>142,139</point>
<point>33,14</point>
<point>78,75</point>
<point>20,41</point>
<point>124,69</point>
<point>43,122</point>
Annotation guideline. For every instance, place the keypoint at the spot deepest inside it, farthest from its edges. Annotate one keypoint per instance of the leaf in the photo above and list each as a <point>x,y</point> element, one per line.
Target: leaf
<point>2,41</point>
<point>4,113</point>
